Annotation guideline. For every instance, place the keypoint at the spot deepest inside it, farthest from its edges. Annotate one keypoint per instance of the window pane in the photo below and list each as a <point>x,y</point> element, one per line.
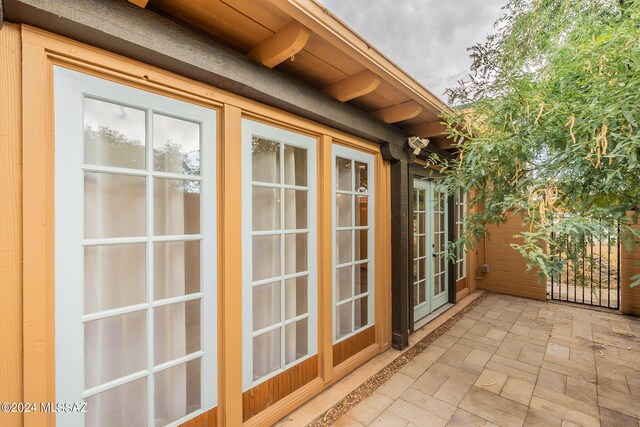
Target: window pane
<point>177,391</point>
<point>361,312</point>
<point>295,166</point>
<point>421,223</point>
<point>113,135</point>
<point>266,353</point>
<point>295,253</point>
<point>422,267</point>
<point>119,406</point>
<point>415,271</point>
<point>362,278</point>
<point>362,206</point>
<point>176,145</point>
<point>295,210</point>
<point>266,257</point>
<point>362,183</point>
<point>266,209</point>
<point>114,276</point>
<point>421,202</point>
<point>361,244</point>
<point>343,174</point>
<point>343,210</point>
<point>265,162</point>
<point>176,330</point>
<point>114,205</point>
<point>421,246</point>
<point>114,347</point>
<point>343,320</point>
<point>343,246</point>
<point>416,301</point>
<point>176,207</point>
<point>344,288</point>
<point>176,269</point>
<point>296,337</point>
<point>266,305</point>
<point>296,297</point>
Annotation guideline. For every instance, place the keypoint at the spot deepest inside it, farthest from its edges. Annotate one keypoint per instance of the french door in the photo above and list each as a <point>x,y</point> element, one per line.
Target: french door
<point>430,275</point>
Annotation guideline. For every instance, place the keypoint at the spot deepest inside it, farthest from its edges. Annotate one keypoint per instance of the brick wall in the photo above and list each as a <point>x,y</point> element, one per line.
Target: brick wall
<point>507,268</point>
<point>630,297</point>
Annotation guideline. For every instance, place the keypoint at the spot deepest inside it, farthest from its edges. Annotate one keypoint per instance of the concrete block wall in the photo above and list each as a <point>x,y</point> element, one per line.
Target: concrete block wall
<point>629,267</point>
<point>507,268</point>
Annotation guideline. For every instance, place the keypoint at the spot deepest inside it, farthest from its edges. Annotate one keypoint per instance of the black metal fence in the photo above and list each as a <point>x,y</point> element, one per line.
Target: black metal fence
<point>590,273</point>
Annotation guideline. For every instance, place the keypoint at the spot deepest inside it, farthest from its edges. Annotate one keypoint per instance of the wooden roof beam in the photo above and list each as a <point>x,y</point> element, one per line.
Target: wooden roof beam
<point>139,3</point>
<point>281,46</point>
<point>354,86</point>
<point>427,130</point>
<point>397,113</point>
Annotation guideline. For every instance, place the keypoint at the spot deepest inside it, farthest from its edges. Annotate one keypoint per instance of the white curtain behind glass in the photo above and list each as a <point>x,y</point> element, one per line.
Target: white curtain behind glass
<point>266,256</point>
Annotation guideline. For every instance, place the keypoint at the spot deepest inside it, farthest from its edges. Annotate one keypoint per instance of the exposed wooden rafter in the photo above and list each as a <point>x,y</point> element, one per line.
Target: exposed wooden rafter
<point>397,113</point>
<point>139,3</point>
<point>427,130</point>
<point>281,46</point>
<point>354,86</point>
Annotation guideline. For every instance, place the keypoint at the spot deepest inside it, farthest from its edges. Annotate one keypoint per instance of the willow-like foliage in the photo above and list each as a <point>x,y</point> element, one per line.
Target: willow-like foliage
<point>550,123</point>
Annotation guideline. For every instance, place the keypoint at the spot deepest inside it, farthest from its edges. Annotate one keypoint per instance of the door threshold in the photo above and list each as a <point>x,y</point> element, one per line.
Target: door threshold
<point>420,323</point>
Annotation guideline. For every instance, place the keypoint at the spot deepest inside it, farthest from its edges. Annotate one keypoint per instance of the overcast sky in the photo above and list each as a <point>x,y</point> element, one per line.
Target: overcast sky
<point>427,38</point>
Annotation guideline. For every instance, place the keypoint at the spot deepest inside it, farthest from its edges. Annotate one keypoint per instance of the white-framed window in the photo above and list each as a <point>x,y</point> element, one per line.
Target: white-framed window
<point>353,241</point>
<point>135,263</point>
<point>279,296</point>
<point>460,217</point>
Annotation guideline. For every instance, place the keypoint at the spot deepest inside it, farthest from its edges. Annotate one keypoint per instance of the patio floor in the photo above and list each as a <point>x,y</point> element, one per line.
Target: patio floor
<point>512,362</point>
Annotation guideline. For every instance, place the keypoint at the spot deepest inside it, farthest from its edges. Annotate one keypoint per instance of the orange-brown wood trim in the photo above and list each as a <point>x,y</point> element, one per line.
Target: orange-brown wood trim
<point>11,314</point>
<point>353,345</point>
<point>284,44</point>
<point>230,253</point>
<point>206,419</point>
<point>274,389</point>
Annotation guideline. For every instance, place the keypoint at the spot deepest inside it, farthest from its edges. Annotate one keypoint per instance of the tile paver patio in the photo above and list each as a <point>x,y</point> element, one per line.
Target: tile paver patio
<point>517,362</point>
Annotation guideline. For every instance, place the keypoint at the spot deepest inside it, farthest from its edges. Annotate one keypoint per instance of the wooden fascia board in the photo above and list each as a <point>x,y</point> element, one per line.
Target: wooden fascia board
<point>139,3</point>
<point>354,86</point>
<point>323,23</point>
<point>427,129</point>
<point>281,46</point>
<point>397,113</point>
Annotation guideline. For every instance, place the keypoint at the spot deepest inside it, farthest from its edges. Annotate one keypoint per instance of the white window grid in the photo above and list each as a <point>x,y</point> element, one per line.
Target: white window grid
<point>440,241</point>
<point>461,252</point>
<point>68,84</point>
<point>354,156</point>
<point>250,130</point>
<point>419,251</point>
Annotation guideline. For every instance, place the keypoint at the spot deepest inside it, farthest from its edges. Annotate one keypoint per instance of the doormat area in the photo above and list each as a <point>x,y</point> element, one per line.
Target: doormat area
<point>368,387</point>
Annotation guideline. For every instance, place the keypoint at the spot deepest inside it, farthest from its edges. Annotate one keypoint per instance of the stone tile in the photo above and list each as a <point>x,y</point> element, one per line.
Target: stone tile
<point>347,421</point>
<point>533,358</point>
<point>419,364</point>
<point>414,414</point>
<point>429,404</point>
<point>517,390</point>
<point>430,381</point>
<point>495,334</point>
<point>369,409</point>
<point>609,418</point>
<point>452,391</point>
<point>520,330</point>
<point>620,402</point>
<point>477,357</point>
<point>389,419</point>
<point>582,390</point>
<point>557,350</point>
<point>510,370</point>
<point>457,331</point>
<point>396,385</point>
<point>501,411</point>
<point>491,381</point>
<point>462,418</point>
<point>566,401</point>
<point>445,341</point>
<point>552,380</point>
<point>541,417</point>
<point>562,412</point>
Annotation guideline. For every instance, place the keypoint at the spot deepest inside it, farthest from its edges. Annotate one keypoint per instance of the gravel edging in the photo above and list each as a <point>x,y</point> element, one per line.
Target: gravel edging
<point>365,389</point>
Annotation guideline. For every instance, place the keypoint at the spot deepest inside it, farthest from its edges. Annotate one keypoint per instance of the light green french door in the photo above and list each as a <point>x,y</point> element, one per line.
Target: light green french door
<point>430,276</point>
